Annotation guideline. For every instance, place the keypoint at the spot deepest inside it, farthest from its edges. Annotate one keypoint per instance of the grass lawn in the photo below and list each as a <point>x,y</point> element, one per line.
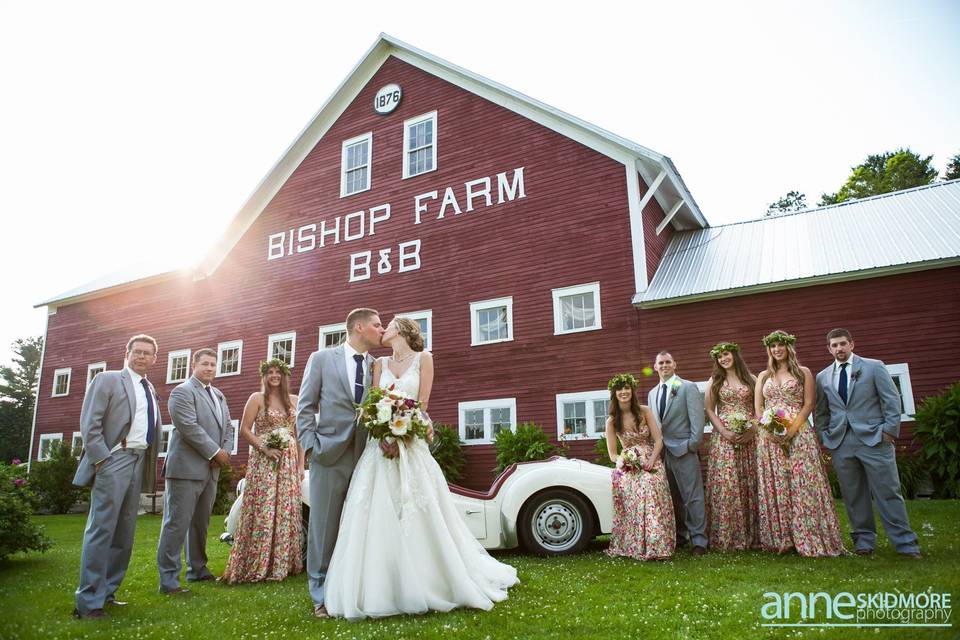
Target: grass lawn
<point>585,596</point>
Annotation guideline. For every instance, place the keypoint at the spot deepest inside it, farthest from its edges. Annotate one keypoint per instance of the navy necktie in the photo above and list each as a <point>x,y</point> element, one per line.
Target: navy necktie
<point>151,418</point>
<point>842,385</point>
<point>663,400</point>
<point>358,379</point>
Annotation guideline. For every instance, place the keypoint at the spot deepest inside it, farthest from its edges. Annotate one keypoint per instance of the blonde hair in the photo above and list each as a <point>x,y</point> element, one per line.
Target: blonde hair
<point>793,366</point>
<point>409,330</point>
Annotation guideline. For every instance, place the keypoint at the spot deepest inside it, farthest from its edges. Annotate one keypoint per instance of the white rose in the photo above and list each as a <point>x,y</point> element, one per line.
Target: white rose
<point>400,425</point>
<point>384,411</point>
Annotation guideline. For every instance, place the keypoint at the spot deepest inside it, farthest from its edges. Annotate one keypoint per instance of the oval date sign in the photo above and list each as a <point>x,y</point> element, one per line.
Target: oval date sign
<point>387,99</point>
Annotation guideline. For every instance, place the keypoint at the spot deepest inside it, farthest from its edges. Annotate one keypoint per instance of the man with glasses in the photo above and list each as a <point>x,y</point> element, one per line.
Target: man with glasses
<point>120,426</point>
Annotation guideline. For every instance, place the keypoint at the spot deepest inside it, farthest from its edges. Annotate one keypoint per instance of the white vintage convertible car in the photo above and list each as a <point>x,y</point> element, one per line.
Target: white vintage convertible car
<point>549,507</point>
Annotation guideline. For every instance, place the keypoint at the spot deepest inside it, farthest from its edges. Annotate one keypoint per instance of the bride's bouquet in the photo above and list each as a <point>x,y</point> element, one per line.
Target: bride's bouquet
<point>390,414</point>
<point>279,439</point>
<point>777,422</point>
<point>632,459</point>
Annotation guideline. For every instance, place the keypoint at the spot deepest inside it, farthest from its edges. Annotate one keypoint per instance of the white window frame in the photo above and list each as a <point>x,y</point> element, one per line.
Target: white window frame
<point>170,357</point>
<point>702,386</point>
<point>485,405</point>
<point>166,431</point>
<point>44,437</point>
<point>489,304</point>
<point>426,314</point>
<point>587,397</point>
<point>66,371</point>
<point>406,143</point>
<point>77,435</point>
<point>236,436</point>
<point>277,337</point>
<point>231,344</point>
<point>327,330</point>
<point>368,138</point>
<point>592,287</point>
<point>902,371</point>
<point>93,367</point>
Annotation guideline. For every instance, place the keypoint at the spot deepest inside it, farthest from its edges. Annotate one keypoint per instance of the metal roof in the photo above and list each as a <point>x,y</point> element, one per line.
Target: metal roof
<point>899,231</point>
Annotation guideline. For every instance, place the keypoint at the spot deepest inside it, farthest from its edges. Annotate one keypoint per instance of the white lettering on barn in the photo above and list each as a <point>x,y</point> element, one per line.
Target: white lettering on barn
<point>469,198</point>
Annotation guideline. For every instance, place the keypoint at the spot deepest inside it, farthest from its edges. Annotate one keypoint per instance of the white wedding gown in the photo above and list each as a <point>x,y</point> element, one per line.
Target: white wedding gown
<point>402,547</point>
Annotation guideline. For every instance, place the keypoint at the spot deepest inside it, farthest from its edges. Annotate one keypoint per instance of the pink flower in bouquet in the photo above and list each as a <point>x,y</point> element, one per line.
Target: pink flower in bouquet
<point>15,462</point>
<point>19,482</point>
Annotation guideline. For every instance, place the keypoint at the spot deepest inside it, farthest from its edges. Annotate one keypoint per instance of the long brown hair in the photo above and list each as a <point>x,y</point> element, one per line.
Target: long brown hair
<point>266,390</point>
<point>740,367</point>
<point>793,366</point>
<point>614,409</point>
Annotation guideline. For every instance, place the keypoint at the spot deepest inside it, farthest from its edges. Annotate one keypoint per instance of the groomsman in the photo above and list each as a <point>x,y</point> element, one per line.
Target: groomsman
<point>858,419</point>
<point>119,427</point>
<point>678,408</point>
<point>201,437</point>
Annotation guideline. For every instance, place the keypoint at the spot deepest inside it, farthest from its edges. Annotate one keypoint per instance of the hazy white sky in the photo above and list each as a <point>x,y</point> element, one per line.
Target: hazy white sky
<point>134,130</point>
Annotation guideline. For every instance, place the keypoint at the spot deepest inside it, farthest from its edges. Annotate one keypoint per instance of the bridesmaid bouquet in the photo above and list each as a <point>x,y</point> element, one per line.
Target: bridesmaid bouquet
<point>777,422</point>
<point>632,459</point>
<point>737,422</point>
<point>389,414</point>
<point>279,439</point>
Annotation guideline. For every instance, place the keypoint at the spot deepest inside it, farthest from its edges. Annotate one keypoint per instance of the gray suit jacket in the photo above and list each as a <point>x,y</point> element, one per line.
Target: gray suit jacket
<point>872,407</point>
<point>105,419</point>
<point>199,430</point>
<point>326,414</point>
<point>682,424</point>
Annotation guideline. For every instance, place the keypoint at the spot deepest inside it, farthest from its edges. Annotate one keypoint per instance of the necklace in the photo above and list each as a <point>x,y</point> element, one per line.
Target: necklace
<point>403,359</point>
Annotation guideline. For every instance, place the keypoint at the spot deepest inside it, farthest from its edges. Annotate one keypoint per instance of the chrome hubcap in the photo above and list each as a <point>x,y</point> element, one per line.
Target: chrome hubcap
<point>557,525</point>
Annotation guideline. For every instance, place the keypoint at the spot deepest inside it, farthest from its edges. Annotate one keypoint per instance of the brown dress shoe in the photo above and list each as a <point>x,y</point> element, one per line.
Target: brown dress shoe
<point>320,611</point>
<point>175,591</point>
<point>698,551</point>
<point>915,555</point>
<point>93,614</point>
<point>863,552</point>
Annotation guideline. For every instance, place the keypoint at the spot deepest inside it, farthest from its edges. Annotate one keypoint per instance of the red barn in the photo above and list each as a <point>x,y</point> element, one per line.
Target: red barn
<point>541,255</point>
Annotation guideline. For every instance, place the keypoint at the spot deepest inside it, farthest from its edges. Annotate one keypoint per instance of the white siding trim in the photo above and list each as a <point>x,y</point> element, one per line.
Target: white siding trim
<point>486,406</point>
<point>476,307</point>
<point>702,386</point>
<point>594,288</point>
<point>170,358</point>
<point>902,371</point>
<point>236,435</point>
<point>637,238</point>
<point>66,371</point>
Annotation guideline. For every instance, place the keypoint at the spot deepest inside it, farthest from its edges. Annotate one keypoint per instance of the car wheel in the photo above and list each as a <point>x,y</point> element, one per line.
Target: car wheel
<point>555,522</point>
<point>304,527</point>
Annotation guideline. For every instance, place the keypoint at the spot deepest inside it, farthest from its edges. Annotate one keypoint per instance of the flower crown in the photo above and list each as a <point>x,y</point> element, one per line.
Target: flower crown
<point>622,380</point>
<point>274,363</point>
<point>779,336</point>
<point>719,348</point>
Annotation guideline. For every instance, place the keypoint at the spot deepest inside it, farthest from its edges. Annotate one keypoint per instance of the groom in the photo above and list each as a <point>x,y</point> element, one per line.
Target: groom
<point>858,419</point>
<point>334,381</point>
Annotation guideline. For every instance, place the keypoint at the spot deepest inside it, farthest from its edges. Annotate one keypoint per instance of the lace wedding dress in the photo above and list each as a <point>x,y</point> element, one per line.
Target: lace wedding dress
<point>402,547</point>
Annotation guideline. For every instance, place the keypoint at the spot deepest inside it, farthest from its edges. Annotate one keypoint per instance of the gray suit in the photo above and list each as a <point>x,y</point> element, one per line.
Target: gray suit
<point>865,464</point>
<point>109,407</point>
<point>326,426</point>
<point>682,431</point>
<point>200,429</point>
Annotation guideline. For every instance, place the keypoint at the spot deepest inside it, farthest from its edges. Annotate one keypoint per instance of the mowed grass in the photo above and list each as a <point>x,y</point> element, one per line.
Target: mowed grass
<point>584,596</point>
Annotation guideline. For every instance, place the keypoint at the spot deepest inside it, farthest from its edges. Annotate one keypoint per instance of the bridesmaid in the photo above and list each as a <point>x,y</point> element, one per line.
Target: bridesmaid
<point>796,508</point>
<point>731,488</point>
<point>268,539</point>
<point>643,522</point>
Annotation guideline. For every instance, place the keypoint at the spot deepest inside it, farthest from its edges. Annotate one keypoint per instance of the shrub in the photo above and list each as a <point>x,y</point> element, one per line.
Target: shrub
<point>17,532</point>
<point>447,449</point>
<point>600,450</point>
<point>937,427</point>
<point>528,442</point>
<point>909,466</point>
<point>52,480</point>
<point>226,493</point>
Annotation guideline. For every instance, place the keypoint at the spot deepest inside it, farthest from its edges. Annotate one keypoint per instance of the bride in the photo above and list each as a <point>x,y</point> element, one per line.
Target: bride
<point>402,546</point>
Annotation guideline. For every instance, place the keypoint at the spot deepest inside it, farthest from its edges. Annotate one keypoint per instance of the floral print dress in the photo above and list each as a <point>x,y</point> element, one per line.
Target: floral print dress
<point>643,522</point>
<point>731,488</point>
<point>795,506</point>
<point>267,544</point>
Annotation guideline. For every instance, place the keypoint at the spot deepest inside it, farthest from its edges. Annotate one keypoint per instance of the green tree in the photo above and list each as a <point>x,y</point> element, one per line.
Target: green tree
<point>883,173</point>
<point>793,201</point>
<point>18,393</point>
<point>953,168</point>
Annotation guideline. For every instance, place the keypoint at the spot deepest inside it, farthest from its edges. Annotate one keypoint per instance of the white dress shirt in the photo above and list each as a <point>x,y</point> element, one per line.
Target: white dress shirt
<point>137,436</point>
<point>669,386</point>
<point>836,375</point>
<point>348,353</point>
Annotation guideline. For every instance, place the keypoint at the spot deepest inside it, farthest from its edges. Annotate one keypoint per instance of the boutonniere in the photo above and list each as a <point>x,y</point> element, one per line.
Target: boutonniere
<point>855,375</point>
<point>674,387</point>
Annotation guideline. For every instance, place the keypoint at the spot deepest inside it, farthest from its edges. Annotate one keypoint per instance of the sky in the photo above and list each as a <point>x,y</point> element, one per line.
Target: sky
<point>131,132</point>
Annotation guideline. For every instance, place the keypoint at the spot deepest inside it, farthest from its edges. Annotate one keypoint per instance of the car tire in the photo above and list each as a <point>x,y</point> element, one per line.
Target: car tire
<point>555,522</point>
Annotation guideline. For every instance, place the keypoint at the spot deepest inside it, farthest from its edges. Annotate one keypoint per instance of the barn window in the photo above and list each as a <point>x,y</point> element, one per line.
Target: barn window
<point>901,378</point>
<point>178,366</point>
<point>77,443</point>
<point>47,442</point>
<point>355,160</point>
<point>491,321</point>
<point>576,308</point>
<point>235,425</point>
<point>165,432</point>
<point>582,415</point>
<point>61,383</point>
<point>482,420</point>
<point>94,369</point>
<point>333,335</point>
<point>420,145</point>
<point>425,320</point>
<point>229,355</point>
<point>282,346</point>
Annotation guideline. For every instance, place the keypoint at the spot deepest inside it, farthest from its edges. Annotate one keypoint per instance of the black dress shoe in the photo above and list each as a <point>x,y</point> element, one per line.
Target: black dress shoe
<point>205,578</point>
<point>174,591</point>
<point>915,555</point>
<point>863,552</point>
<point>93,614</point>
<point>698,550</point>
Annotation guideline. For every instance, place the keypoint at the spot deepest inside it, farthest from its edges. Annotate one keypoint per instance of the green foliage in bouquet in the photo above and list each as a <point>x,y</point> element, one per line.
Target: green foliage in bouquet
<point>17,532</point>
<point>380,427</point>
<point>937,427</point>
<point>529,442</point>
<point>447,450</point>
<point>52,480</point>
<point>600,450</point>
